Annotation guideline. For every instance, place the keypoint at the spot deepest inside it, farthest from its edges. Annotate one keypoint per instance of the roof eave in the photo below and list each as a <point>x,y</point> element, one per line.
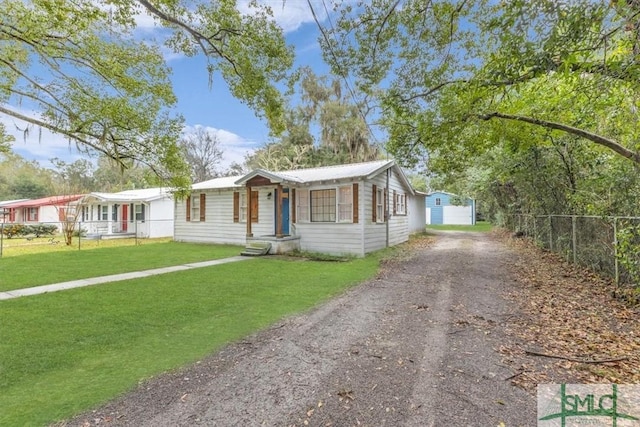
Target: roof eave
<point>263,173</point>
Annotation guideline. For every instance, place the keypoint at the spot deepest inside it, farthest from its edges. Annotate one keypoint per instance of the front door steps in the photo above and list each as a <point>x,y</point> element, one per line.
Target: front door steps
<point>256,249</point>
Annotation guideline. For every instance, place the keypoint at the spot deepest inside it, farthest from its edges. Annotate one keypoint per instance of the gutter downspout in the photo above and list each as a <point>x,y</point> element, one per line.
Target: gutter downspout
<point>386,213</point>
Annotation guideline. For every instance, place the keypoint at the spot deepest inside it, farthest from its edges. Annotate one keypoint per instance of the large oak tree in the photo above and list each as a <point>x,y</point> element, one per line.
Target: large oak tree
<point>453,72</point>
<point>79,68</point>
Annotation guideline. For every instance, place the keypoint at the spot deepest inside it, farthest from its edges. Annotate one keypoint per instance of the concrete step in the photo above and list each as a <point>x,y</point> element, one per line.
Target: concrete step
<point>256,249</point>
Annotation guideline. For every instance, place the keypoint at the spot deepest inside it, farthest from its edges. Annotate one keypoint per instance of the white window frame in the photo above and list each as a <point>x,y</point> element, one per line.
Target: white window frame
<point>438,201</point>
<point>401,204</point>
<point>243,207</point>
<point>32,214</point>
<point>330,213</point>
<point>380,213</point>
<point>139,212</point>
<point>195,208</point>
<point>302,205</point>
<point>344,200</point>
<point>343,204</point>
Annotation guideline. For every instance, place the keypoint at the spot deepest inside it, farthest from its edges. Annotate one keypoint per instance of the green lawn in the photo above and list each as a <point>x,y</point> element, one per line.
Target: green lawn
<point>480,226</point>
<point>25,271</point>
<point>66,352</point>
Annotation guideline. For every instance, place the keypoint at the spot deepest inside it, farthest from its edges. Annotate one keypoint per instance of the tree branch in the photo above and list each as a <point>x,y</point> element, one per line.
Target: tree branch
<point>54,129</point>
<point>200,38</point>
<point>573,359</point>
<point>600,140</point>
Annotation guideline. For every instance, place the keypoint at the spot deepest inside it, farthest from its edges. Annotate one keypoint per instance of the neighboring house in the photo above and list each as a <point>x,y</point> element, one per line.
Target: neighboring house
<point>47,210</point>
<point>448,208</point>
<point>349,209</point>
<point>5,214</point>
<point>145,213</point>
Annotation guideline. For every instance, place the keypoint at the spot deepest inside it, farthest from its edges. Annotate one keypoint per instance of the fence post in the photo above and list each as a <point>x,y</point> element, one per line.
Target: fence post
<point>79,234</point>
<point>535,228</point>
<point>136,238</point>
<point>615,250</point>
<point>1,238</point>
<point>574,239</point>
<point>550,233</point>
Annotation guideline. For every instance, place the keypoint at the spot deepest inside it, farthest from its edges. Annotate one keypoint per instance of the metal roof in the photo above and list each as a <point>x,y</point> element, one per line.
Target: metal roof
<point>365,170</point>
<point>9,202</point>
<point>324,173</point>
<point>224,182</point>
<point>44,201</point>
<point>138,195</point>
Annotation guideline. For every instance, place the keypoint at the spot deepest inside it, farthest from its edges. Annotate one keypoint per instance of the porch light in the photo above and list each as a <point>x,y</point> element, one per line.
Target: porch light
<point>269,195</point>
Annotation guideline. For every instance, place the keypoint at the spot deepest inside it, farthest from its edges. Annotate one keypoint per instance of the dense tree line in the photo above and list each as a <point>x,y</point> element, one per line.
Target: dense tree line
<point>531,106</point>
<point>23,179</point>
<point>323,126</point>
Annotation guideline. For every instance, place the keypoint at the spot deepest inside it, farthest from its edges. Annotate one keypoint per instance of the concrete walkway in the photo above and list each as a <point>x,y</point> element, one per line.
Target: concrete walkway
<point>16,293</point>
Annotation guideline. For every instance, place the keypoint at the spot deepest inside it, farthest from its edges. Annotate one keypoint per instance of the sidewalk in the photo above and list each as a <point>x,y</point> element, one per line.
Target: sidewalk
<point>16,293</point>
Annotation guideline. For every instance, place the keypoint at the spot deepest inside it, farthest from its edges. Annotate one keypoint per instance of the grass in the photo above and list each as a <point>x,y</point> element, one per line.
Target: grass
<point>22,246</point>
<point>480,226</point>
<point>66,352</point>
<point>24,271</point>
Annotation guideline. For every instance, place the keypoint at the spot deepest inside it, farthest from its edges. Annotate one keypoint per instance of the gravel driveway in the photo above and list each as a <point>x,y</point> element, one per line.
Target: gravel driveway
<point>414,347</point>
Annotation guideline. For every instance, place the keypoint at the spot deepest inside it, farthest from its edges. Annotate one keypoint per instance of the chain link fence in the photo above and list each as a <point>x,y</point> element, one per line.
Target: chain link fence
<point>607,245</point>
<point>25,238</point>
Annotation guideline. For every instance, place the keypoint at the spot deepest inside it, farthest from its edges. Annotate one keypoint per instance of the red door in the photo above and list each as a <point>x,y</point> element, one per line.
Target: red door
<point>124,218</point>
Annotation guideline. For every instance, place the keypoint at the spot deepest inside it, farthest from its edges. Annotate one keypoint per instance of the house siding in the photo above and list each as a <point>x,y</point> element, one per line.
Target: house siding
<point>218,226</point>
<point>437,214</point>
<point>417,213</point>
<point>340,238</point>
<point>161,217</point>
<point>375,234</point>
<point>333,237</point>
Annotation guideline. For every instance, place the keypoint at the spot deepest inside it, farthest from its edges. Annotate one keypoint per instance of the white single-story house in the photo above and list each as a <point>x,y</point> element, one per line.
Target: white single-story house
<point>46,210</point>
<point>144,213</point>
<point>449,208</point>
<point>348,209</point>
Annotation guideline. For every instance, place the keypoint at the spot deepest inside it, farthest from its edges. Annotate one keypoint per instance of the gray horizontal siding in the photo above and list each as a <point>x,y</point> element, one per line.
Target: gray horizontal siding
<point>218,226</point>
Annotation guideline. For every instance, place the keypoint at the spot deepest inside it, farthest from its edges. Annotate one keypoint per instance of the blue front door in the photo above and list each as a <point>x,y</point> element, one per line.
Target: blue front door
<point>285,210</point>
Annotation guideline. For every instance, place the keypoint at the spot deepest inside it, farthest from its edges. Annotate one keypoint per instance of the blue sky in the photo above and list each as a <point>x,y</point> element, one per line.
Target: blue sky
<point>213,108</point>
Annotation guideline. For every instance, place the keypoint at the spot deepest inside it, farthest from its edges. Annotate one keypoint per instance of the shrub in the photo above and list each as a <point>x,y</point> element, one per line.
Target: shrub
<point>42,230</point>
<point>13,230</point>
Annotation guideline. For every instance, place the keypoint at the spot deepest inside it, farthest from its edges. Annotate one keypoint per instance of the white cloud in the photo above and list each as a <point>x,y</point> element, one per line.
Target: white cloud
<point>145,21</point>
<point>291,14</point>
<point>41,145</point>
<point>233,146</point>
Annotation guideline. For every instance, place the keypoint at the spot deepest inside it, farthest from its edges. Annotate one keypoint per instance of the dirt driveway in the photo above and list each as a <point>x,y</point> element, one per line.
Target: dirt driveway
<point>414,347</point>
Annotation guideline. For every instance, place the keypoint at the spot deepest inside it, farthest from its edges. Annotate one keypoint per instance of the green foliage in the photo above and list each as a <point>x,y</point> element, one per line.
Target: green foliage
<point>32,230</point>
<point>5,139</point>
<point>109,92</point>
<point>12,230</point>
<point>39,230</point>
<point>628,250</point>
<point>343,133</point>
<point>20,179</point>
<point>460,78</point>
